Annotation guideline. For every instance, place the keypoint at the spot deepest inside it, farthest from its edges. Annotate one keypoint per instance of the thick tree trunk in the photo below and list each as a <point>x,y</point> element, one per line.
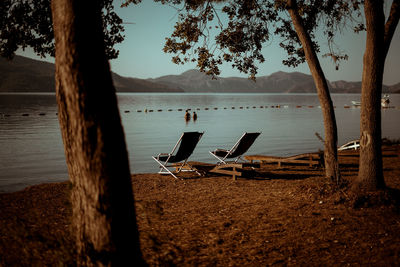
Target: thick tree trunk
<point>370,175</point>
<point>330,145</point>
<point>95,149</point>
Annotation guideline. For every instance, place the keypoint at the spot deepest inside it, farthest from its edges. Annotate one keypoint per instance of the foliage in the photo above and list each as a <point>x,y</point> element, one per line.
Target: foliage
<point>28,23</point>
<point>244,27</point>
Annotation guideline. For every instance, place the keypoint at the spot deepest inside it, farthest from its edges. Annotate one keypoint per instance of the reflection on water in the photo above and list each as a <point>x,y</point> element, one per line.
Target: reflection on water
<point>32,151</point>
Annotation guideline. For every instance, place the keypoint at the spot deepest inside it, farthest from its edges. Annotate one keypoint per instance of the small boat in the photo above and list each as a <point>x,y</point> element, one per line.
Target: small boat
<point>384,101</point>
<point>355,144</point>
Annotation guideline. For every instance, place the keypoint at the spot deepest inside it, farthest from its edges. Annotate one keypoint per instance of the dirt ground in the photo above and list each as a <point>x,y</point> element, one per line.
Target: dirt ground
<point>282,216</point>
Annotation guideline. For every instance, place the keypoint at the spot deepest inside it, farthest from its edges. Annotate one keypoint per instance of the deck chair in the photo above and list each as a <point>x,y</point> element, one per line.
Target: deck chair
<point>241,147</point>
<point>187,143</point>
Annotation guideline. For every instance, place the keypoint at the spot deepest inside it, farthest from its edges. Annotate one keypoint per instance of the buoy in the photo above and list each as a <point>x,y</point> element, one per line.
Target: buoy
<point>233,107</point>
<point>179,109</point>
<point>205,108</point>
<point>25,114</point>
<point>139,110</point>
<point>261,106</point>
<point>241,107</point>
<point>127,111</point>
<point>170,109</point>
<point>150,110</point>
<point>215,108</point>
<point>42,114</point>
<point>159,110</point>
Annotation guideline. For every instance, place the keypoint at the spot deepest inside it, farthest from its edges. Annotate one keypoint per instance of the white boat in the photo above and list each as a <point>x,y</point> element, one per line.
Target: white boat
<point>384,101</point>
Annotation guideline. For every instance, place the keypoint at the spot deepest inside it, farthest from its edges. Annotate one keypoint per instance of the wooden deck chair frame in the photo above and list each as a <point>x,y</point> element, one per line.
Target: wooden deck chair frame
<point>230,153</point>
<point>170,158</point>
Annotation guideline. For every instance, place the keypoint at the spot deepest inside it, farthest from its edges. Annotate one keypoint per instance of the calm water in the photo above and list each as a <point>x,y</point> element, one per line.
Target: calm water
<point>31,149</point>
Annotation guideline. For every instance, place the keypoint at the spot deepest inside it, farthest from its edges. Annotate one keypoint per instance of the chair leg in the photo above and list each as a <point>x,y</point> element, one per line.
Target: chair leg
<point>163,167</point>
<point>221,161</point>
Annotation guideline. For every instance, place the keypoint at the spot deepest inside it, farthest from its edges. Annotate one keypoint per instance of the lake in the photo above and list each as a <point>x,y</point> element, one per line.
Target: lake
<point>32,151</point>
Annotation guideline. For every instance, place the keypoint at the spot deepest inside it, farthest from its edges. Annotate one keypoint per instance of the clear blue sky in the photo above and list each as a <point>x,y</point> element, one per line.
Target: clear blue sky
<point>141,54</point>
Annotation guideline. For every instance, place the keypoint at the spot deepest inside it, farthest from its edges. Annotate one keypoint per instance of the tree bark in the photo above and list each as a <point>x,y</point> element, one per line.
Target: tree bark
<point>102,199</point>
<point>370,174</point>
<point>330,128</point>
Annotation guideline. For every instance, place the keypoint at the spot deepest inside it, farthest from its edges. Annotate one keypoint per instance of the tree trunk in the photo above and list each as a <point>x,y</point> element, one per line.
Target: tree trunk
<point>330,144</point>
<point>103,207</point>
<point>370,174</point>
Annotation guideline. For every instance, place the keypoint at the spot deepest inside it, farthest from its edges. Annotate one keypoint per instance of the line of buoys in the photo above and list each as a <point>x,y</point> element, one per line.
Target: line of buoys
<point>241,107</point>
<point>3,115</point>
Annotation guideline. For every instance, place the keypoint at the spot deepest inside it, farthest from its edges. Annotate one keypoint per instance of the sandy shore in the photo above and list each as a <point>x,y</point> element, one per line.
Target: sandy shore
<point>282,216</point>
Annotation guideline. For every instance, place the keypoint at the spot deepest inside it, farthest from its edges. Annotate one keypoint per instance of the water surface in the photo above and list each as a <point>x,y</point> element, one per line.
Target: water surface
<point>32,151</point>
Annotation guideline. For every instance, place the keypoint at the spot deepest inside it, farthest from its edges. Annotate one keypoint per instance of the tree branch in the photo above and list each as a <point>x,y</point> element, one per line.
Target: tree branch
<point>391,24</point>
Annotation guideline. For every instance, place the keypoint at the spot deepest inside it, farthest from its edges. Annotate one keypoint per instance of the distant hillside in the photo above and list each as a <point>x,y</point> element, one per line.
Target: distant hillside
<point>27,75</point>
<point>395,89</point>
<point>23,74</point>
<point>278,82</point>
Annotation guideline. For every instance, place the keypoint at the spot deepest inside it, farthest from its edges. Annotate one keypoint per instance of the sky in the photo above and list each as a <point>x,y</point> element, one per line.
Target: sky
<point>149,23</point>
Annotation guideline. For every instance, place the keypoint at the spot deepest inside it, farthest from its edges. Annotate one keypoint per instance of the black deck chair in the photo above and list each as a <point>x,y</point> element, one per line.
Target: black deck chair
<point>241,147</point>
<point>187,143</point>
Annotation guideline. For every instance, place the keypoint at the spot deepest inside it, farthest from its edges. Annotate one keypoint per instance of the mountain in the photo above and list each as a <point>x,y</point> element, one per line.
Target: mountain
<point>23,74</point>
<point>395,89</point>
<point>27,75</point>
<point>278,82</point>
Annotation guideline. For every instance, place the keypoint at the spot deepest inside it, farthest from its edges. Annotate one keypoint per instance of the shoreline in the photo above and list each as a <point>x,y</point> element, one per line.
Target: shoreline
<point>286,216</point>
